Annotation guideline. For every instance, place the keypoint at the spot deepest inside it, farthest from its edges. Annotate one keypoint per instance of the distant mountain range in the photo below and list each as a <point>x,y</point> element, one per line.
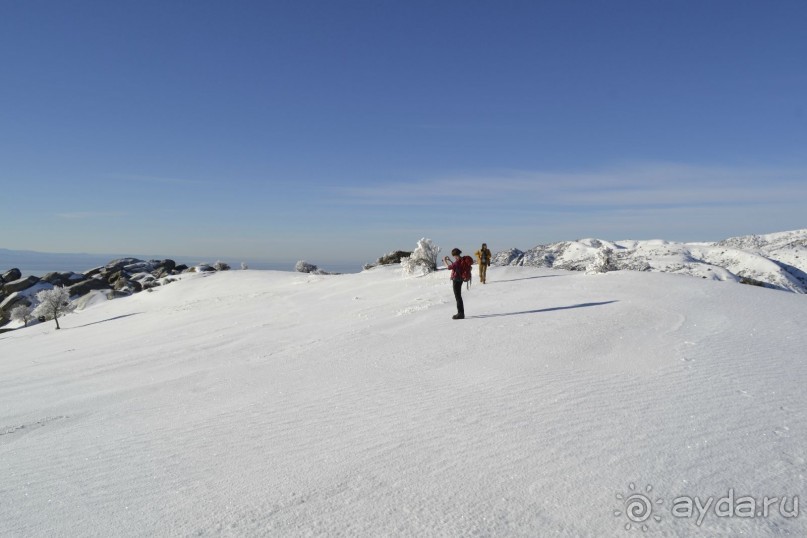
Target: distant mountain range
<point>39,263</point>
<point>776,260</point>
<point>7,255</point>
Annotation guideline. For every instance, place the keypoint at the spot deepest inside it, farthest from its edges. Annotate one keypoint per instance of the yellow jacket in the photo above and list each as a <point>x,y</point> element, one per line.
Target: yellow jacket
<point>483,256</point>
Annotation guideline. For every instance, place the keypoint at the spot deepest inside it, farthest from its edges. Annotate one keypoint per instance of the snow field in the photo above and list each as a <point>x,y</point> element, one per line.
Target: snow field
<point>268,403</point>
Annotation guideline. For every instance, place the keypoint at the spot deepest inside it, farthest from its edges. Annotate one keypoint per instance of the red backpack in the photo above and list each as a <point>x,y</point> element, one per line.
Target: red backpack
<point>465,269</point>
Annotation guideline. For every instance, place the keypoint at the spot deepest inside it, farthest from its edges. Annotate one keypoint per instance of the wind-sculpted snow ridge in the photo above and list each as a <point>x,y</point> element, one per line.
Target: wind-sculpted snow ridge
<point>777,261</point>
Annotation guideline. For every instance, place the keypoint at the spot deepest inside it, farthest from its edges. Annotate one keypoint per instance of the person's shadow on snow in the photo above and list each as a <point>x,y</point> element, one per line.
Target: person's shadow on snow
<point>104,320</point>
<point>552,309</point>
<point>523,278</point>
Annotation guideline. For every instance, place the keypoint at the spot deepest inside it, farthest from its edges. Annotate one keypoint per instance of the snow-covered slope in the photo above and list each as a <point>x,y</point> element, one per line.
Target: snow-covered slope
<point>776,261</point>
<point>252,403</point>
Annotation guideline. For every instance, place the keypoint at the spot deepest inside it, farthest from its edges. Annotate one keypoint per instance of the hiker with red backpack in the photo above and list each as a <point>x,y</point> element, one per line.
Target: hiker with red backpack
<point>460,272</point>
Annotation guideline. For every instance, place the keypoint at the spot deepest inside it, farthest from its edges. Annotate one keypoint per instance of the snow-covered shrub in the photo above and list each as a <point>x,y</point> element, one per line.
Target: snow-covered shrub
<point>603,261</point>
<point>53,303</point>
<point>743,280</point>
<point>303,266</point>
<point>391,258</point>
<point>22,312</point>
<point>221,266</point>
<point>423,260</point>
<point>244,266</point>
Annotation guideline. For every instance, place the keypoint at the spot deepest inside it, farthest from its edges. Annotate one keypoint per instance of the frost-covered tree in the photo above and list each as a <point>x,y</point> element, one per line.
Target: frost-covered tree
<point>244,266</point>
<point>53,303</point>
<point>303,266</point>
<point>221,266</point>
<point>423,259</point>
<point>603,261</point>
<point>22,312</point>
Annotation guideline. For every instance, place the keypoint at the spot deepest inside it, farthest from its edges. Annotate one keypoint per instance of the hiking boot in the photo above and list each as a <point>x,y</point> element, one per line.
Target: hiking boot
<point>458,316</point>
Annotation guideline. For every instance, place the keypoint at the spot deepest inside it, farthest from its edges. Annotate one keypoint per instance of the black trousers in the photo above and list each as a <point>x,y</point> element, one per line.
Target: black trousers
<point>458,296</point>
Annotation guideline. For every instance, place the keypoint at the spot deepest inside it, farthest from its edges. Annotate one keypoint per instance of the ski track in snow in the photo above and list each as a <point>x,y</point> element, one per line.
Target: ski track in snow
<point>260,403</point>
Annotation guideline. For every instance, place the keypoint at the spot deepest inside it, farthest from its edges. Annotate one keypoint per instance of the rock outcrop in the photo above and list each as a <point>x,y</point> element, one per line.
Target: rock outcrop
<point>19,284</point>
<point>391,258</point>
<point>118,278</point>
<point>10,276</point>
<point>86,286</point>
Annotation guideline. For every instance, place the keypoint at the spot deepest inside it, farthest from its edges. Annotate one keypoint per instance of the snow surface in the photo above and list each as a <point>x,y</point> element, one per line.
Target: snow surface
<point>253,403</point>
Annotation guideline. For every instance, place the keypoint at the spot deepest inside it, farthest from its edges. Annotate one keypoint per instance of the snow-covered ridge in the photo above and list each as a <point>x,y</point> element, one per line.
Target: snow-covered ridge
<point>777,260</point>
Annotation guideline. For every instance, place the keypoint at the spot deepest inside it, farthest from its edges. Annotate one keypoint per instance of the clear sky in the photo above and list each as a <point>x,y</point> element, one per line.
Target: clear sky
<point>340,130</point>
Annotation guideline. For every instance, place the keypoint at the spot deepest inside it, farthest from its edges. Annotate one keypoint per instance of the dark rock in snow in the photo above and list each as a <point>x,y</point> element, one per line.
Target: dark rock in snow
<point>20,284</point>
<point>8,304</point>
<point>128,286</point>
<point>92,272</point>
<point>164,268</point>
<point>87,286</point>
<point>391,258</point>
<point>10,275</point>
<point>64,279</point>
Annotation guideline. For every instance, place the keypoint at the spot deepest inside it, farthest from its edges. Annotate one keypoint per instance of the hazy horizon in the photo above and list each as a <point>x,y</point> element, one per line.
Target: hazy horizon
<point>39,263</point>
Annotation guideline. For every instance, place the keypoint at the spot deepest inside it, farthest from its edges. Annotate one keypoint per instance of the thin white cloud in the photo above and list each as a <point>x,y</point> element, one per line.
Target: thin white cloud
<point>653,184</point>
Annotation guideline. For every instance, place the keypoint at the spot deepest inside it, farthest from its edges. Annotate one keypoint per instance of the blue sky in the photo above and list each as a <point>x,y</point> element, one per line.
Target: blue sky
<point>336,131</point>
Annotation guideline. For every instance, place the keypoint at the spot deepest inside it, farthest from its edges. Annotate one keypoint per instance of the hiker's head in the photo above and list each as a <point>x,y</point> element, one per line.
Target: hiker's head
<point>456,252</point>
<point>484,245</point>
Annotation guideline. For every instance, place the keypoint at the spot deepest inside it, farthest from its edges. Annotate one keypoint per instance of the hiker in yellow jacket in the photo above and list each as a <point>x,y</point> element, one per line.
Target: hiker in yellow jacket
<point>483,259</point>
